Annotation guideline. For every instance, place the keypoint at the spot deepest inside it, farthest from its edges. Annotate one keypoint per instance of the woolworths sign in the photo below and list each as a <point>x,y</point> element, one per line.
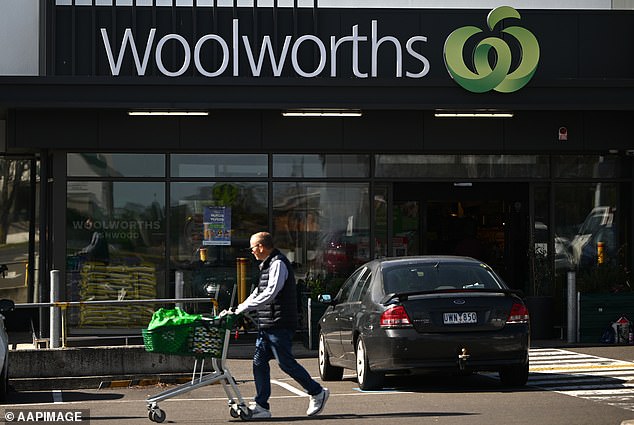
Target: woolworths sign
<point>490,68</point>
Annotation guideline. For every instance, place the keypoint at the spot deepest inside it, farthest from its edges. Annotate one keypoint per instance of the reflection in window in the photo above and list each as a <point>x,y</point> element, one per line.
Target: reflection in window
<point>462,166</point>
<point>219,165</point>
<point>575,166</point>
<point>115,165</point>
<point>241,208</point>
<point>115,249</point>
<point>321,166</point>
<point>323,228</point>
<point>17,203</point>
<point>586,217</point>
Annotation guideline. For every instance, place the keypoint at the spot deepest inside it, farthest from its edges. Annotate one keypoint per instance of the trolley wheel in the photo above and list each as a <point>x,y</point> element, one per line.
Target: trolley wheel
<point>233,413</point>
<point>245,413</point>
<point>156,415</point>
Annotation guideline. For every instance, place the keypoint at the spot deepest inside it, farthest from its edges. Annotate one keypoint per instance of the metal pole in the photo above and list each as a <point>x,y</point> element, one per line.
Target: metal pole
<point>55,315</point>
<point>242,279</point>
<point>572,307</point>
<point>310,323</point>
<point>179,284</point>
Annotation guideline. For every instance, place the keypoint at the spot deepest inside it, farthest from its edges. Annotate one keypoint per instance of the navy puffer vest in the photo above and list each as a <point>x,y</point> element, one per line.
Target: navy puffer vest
<point>281,313</point>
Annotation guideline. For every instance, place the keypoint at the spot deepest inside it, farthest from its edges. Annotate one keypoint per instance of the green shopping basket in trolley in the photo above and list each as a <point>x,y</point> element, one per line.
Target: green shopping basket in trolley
<point>204,337</point>
<point>201,337</point>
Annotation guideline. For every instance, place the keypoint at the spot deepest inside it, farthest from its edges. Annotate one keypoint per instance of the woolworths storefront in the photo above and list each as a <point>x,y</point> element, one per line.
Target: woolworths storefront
<point>349,133</point>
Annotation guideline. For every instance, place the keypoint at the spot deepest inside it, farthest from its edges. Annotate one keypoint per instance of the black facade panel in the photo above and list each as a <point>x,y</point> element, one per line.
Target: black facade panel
<point>301,134</point>
<point>605,49</point>
<point>606,130</point>
<point>531,131</point>
<point>384,131</point>
<point>222,130</point>
<point>463,134</point>
<point>397,23</point>
<point>56,129</point>
<point>117,130</point>
<point>558,34</point>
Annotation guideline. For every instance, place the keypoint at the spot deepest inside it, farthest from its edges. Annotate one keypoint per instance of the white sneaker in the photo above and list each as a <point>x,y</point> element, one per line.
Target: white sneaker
<point>317,402</point>
<point>258,412</point>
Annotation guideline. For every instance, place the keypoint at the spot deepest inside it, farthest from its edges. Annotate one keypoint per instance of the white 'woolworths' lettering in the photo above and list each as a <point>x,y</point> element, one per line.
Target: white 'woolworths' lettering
<point>266,48</point>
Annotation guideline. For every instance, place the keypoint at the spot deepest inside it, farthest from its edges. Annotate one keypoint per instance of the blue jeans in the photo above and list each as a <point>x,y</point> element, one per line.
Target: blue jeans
<point>276,343</point>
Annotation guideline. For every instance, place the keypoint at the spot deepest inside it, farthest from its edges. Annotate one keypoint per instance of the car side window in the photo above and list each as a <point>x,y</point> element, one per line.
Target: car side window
<point>347,286</point>
<point>362,286</point>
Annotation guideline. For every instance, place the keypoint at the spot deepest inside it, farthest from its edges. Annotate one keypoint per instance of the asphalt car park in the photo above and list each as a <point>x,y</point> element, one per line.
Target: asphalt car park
<point>478,399</point>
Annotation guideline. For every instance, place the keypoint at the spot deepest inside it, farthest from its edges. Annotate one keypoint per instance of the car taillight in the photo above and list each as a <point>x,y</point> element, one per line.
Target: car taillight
<point>395,317</point>
<point>519,314</point>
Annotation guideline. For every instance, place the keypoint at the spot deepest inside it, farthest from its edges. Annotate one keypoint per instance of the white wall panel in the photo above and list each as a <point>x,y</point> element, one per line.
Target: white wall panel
<point>19,37</point>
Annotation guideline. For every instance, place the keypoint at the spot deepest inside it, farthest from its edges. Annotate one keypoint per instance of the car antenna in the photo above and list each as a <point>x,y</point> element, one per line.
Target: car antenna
<point>437,265</point>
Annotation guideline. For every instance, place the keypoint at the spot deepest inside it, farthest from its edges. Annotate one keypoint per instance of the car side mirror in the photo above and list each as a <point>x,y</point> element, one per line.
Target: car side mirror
<point>6,305</point>
<point>324,298</point>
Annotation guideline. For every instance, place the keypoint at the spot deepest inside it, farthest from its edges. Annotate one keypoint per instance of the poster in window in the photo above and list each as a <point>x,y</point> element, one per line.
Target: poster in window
<point>217,226</point>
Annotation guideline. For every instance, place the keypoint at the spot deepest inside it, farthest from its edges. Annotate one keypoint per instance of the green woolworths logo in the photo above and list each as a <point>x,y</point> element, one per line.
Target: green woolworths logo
<point>497,77</point>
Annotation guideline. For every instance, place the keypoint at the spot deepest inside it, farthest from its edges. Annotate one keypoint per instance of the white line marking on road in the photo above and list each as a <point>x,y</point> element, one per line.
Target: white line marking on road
<point>57,396</point>
<point>289,388</point>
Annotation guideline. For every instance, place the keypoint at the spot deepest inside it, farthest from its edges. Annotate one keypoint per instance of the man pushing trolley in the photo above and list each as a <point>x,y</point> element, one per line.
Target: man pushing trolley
<point>203,338</point>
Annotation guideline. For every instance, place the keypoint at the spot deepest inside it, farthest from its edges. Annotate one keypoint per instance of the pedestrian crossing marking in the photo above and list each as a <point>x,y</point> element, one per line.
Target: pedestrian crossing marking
<point>593,378</point>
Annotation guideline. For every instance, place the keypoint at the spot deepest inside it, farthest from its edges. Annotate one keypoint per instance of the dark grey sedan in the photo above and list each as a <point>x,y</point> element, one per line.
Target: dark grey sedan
<point>422,314</point>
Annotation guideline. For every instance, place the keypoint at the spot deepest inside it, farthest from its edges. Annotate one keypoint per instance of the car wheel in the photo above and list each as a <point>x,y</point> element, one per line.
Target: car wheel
<point>367,379</point>
<point>4,379</point>
<point>514,376</point>
<point>327,372</point>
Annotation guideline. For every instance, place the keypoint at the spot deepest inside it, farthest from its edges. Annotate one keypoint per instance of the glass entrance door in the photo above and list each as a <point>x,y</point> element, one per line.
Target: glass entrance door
<point>486,221</point>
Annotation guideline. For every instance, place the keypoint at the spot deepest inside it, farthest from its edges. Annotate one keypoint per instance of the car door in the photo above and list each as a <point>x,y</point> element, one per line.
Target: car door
<point>353,309</point>
<point>333,317</point>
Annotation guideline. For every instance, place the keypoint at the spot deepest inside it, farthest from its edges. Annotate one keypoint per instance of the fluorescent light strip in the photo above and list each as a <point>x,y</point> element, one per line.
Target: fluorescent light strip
<point>473,115</point>
<point>168,113</point>
<point>322,113</point>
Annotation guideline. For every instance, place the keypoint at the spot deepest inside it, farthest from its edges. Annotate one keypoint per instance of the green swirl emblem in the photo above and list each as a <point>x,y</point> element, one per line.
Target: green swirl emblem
<point>497,77</point>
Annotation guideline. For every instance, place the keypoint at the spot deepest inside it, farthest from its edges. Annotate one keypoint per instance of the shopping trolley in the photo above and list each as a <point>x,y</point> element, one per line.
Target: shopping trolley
<point>204,338</point>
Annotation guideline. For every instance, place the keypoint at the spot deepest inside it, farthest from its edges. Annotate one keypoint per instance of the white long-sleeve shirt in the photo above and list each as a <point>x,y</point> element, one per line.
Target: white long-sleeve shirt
<point>277,276</point>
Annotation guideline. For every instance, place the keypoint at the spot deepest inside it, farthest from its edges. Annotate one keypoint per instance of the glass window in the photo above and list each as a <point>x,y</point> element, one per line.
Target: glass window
<point>575,166</point>
<point>115,249</point>
<point>321,166</point>
<point>362,287</point>
<point>115,165</point>
<point>428,277</point>
<point>323,228</point>
<point>585,217</point>
<point>219,165</point>
<point>380,220</point>
<point>462,166</point>
<point>346,288</point>
<point>210,227</point>
<point>17,204</point>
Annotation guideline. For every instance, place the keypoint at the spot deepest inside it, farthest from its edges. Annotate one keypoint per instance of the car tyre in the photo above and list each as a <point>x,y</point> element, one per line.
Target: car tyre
<point>367,379</point>
<point>514,376</point>
<point>327,372</point>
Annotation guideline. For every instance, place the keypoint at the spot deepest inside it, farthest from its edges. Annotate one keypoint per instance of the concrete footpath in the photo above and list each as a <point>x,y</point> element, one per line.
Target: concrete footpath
<point>32,369</point>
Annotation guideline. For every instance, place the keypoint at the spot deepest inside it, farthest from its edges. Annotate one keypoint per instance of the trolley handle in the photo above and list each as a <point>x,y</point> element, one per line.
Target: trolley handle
<point>226,321</point>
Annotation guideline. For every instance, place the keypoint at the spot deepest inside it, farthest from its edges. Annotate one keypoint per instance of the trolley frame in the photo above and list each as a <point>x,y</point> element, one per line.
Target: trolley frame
<point>221,373</point>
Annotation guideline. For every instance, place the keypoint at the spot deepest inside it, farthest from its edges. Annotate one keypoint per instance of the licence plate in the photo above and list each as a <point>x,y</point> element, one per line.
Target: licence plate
<point>459,318</point>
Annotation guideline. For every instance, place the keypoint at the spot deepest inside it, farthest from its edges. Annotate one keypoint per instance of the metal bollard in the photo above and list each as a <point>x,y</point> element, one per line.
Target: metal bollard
<point>179,284</point>
<point>55,314</point>
<point>572,307</point>
<point>242,279</point>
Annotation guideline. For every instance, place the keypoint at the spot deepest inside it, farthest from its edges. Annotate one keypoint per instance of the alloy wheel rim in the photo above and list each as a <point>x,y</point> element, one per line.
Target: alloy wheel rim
<point>322,354</point>
<point>360,362</point>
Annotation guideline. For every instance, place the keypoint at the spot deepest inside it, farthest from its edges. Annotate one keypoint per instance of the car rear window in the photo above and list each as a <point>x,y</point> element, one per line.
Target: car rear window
<point>431,277</point>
